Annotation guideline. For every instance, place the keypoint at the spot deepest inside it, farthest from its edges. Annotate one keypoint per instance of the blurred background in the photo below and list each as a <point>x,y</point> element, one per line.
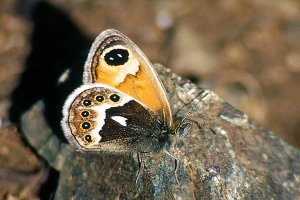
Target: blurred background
<point>248,52</point>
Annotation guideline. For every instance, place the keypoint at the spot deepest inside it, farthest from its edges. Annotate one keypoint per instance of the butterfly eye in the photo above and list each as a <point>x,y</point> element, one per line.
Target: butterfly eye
<point>99,98</point>
<point>88,138</point>
<point>116,57</point>
<point>85,113</point>
<point>114,97</point>
<point>86,102</point>
<point>86,125</point>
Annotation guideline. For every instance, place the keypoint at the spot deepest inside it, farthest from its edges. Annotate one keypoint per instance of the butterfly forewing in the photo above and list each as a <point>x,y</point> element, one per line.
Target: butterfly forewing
<point>116,61</point>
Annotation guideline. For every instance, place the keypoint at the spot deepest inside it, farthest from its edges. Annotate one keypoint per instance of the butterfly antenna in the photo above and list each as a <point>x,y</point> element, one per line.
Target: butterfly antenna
<point>185,104</point>
<point>194,106</point>
<point>200,126</point>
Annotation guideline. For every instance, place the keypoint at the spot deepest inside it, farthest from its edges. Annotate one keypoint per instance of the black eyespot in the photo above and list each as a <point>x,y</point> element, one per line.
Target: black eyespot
<point>114,97</point>
<point>87,102</point>
<point>99,98</point>
<point>86,125</point>
<point>116,57</point>
<point>88,138</point>
<point>85,113</point>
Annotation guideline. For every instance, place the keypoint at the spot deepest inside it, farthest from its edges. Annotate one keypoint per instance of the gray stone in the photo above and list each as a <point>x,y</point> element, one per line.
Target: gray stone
<point>240,161</point>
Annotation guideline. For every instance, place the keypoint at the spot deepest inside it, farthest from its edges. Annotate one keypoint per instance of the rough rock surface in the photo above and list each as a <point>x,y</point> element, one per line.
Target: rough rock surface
<point>240,161</point>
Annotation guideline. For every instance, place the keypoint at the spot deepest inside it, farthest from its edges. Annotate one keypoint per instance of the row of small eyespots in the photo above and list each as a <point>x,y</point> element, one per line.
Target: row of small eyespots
<point>87,102</point>
<point>86,126</point>
<point>99,98</point>
<point>85,114</point>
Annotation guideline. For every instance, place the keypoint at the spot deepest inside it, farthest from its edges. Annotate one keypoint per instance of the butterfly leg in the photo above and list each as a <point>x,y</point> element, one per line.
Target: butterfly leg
<point>176,165</point>
<point>141,166</point>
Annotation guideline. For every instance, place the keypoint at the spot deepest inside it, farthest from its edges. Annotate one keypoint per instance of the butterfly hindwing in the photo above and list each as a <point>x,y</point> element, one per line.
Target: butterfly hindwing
<point>98,117</point>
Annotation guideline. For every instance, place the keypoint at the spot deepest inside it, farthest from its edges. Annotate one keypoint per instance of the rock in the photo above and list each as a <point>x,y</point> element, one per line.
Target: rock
<point>241,160</point>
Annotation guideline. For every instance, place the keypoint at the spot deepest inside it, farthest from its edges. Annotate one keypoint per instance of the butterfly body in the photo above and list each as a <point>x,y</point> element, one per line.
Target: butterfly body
<point>122,105</point>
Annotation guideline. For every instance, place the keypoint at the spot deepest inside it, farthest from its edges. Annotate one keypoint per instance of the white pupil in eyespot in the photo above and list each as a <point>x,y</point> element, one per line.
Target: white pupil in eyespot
<point>119,55</point>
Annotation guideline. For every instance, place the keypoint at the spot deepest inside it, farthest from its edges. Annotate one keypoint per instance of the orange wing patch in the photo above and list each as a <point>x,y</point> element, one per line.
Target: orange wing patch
<point>138,85</point>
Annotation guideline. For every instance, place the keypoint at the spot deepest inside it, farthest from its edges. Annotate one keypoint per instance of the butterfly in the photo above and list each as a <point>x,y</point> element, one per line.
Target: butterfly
<point>122,105</point>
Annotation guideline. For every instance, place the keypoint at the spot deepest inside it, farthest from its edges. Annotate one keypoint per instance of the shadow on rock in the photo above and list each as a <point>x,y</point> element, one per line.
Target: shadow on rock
<point>58,51</point>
